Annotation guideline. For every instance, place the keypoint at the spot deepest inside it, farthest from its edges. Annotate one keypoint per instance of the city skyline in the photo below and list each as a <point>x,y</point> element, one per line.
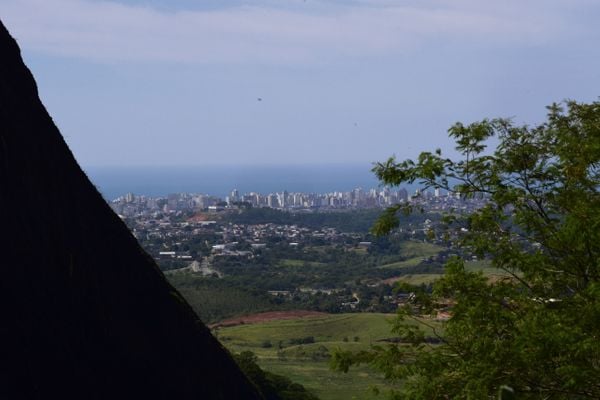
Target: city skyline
<point>131,204</point>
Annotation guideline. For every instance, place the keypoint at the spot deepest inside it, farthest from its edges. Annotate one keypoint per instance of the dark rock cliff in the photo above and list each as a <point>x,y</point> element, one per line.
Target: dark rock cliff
<point>84,311</point>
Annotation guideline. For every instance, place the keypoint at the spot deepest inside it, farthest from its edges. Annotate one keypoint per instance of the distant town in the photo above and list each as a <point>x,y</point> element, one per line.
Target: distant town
<point>131,205</point>
<point>293,250</point>
<point>183,227</point>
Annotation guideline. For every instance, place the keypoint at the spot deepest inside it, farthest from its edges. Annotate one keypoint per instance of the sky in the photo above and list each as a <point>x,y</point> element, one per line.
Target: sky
<point>261,82</point>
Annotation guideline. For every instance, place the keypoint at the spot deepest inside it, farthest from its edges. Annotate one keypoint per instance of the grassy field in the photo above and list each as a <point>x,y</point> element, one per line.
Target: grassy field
<point>307,363</point>
<point>359,250</point>
<point>420,249</point>
<point>289,262</point>
<point>482,265</point>
<point>418,279</point>
<point>329,385</point>
<point>411,262</point>
<point>414,252</point>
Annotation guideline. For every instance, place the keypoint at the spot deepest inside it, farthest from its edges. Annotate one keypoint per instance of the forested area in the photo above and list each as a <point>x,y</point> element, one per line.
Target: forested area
<point>534,333</point>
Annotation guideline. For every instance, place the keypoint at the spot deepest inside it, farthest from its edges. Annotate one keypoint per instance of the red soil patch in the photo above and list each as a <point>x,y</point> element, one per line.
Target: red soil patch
<point>266,316</point>
<point>201,217</point>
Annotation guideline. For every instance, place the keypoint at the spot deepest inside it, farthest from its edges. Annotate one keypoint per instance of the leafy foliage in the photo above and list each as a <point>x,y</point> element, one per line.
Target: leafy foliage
<point>537,330</point>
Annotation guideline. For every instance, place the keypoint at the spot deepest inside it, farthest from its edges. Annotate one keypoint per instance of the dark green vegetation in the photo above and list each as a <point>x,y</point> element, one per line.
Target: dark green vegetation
<point>286,268</point>
<point>318,279</point>
<point>86,313</point>
<point>536,330</point>
<point>216,299</point>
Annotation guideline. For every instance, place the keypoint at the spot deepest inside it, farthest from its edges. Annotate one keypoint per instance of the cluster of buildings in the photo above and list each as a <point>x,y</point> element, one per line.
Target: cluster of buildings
<point>131,205</point>
<point>357,198</point>
<point>170,240</point>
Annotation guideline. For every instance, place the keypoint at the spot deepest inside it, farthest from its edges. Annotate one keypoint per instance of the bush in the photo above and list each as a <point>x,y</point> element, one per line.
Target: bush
<point>304,340</point>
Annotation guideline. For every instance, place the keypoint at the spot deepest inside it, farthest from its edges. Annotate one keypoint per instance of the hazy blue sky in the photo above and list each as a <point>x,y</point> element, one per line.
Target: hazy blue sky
<point>172,82</point>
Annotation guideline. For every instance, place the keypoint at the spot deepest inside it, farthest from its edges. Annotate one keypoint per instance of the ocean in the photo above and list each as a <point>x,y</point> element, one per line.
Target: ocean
<point>220,180</point>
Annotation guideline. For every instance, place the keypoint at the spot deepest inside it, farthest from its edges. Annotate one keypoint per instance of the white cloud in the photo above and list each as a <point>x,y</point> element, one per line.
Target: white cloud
<point>113,32</point>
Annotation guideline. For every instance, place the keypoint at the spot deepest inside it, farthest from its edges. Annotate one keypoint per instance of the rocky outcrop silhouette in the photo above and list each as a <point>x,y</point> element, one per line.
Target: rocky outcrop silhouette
<point>84,312</point>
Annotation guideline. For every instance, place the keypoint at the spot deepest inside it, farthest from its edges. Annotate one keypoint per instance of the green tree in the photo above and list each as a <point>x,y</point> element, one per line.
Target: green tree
<point>536,331</point>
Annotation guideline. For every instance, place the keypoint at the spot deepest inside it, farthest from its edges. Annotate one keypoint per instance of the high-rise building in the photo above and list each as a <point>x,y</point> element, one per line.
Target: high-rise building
<point>129,198</point>
<point>403,194</point>
<point>282,198</point>
<point>358,196</point>
<point>234,196</point>
<point>172,202</point>
<point>272,201</point>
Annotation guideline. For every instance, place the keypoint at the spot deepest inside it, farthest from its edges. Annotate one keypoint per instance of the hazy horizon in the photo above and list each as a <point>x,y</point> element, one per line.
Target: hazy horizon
<point>369,165</point>
<point>219,180</point>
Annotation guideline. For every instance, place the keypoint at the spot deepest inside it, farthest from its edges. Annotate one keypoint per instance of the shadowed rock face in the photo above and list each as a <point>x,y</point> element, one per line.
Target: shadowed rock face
<point>84,311</point>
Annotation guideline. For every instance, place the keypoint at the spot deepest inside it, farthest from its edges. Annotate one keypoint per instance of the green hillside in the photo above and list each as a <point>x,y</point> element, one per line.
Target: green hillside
<point>215,299</point>
<point>299,349</point>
